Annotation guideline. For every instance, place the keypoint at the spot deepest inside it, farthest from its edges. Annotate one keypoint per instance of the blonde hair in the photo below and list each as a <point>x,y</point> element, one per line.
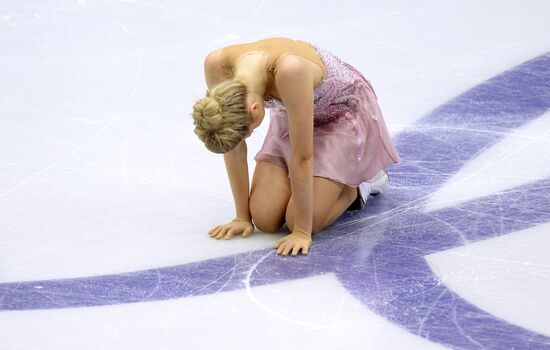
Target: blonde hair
<point>221,118</point>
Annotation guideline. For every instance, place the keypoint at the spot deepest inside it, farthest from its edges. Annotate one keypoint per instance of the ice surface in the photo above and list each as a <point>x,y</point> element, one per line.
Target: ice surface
<point>487,274</point>
<point>106,194</point>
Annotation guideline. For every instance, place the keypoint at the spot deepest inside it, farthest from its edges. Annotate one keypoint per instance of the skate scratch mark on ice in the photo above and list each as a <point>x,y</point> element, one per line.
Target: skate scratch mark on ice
<point>267,308</point>
<point>402,234</point>
<point>87,142</point>
<point>466,335</point>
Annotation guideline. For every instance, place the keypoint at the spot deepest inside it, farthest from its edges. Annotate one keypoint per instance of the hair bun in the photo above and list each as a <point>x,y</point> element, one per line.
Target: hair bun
<point>221,118</point>
<point>207,114</point>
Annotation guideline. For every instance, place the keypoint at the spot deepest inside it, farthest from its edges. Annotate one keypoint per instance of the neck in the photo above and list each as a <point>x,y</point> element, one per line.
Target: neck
<point>250,73</point>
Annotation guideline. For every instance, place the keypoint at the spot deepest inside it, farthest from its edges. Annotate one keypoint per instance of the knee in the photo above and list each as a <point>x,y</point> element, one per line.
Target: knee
<point>264,219</point>
<point>317,226</point>
<point>267,225</point>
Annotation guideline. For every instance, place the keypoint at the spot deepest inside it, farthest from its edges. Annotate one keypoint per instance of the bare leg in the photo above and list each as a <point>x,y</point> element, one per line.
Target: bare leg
<point>330,201</point>
<point>269,196</point>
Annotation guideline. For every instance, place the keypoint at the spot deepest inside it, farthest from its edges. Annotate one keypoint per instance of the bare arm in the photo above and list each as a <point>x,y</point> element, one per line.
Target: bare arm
<point>237,170</point>
<point>295,85</point>
<point>235,162</point>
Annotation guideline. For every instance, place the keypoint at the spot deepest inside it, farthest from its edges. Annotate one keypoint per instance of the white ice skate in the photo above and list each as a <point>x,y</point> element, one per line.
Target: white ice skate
<point>365,189</point>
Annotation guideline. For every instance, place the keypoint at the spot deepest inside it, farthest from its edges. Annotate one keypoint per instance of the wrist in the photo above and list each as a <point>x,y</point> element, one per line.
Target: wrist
<point>243,215</point>
<point>243,218</point>
<point>303,233</point>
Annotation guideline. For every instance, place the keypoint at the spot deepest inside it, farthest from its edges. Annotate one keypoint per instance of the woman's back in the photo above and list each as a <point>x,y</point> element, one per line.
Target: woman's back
<point>275,48</point>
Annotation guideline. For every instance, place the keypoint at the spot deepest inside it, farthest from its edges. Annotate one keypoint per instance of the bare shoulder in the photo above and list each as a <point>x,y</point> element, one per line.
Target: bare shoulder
<point>214,72</point>
<point>294,71</point>
<point>294,68</point>
<point>214,57</point>
<point>294,81</point>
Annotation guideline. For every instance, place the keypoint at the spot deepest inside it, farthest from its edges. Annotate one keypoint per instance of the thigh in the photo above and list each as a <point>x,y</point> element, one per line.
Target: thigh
<point>330,201</point>
<point>269,196</point>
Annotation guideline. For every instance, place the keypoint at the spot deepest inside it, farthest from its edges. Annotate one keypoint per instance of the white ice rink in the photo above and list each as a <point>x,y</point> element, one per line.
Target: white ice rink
<point>106,194</point>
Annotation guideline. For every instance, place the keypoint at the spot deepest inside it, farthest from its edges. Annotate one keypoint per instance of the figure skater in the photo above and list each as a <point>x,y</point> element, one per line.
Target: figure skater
<point>326,149</point>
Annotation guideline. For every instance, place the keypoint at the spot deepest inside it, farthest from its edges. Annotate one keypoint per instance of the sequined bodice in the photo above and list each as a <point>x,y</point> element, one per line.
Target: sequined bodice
<point>334,96</point>
<point>343,96</point>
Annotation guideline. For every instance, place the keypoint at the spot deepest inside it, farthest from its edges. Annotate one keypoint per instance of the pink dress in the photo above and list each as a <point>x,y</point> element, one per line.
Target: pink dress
<point>351,142</point>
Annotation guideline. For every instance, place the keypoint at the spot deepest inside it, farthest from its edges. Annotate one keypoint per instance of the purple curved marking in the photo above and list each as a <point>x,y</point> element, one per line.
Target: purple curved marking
<point>378,256</point>
<point>396,282</point>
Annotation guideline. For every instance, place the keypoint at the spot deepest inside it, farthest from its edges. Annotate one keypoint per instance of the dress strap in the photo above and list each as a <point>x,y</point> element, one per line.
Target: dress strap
<point>274,55</point>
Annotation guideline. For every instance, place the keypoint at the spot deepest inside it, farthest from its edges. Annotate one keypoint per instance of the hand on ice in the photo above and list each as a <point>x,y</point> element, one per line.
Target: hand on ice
<point>236,226</point>
<point>294,242</point>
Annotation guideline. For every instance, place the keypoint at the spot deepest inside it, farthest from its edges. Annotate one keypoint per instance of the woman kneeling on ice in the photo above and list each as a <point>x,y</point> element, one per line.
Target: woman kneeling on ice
<point>327,147</point>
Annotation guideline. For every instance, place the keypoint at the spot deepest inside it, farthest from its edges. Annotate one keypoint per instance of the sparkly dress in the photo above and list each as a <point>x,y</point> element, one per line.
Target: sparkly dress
<point>351,142</point>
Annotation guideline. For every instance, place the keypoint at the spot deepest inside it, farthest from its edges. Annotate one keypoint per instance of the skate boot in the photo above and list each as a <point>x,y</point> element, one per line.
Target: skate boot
<point>365,189</point>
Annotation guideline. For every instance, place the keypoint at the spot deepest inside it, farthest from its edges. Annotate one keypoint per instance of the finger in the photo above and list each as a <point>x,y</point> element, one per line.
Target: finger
<point>229,234</point>
<point>281,248</point>
<point>287,249</point>
<point>279,242</point>
<point>221,233</point>
<point>295,250</point>
<point>305,250</point>
<point>247,232</point>
<point>215,232</point>
<point>213,229</point>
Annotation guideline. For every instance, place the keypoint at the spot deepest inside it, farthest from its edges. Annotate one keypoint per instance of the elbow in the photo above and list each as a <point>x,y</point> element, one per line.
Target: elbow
<point>302,160</point>
<point>301,168</point>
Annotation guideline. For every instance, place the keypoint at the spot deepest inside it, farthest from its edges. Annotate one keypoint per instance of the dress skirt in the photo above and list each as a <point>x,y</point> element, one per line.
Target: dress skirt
<point>351,143</point>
